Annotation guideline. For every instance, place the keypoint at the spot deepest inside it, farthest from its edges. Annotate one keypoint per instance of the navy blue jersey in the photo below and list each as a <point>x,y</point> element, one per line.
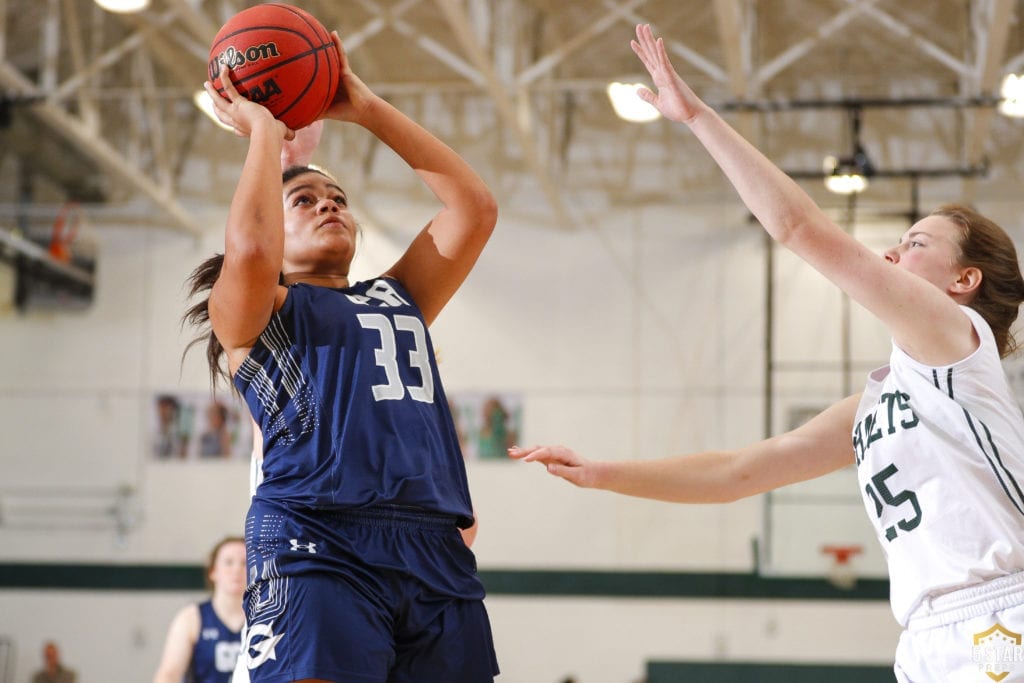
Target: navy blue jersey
<point>345,388</point>
<point>216,650</point>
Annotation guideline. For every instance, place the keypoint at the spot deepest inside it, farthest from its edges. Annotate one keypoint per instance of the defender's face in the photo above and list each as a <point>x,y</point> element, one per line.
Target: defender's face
<point>930,249</point>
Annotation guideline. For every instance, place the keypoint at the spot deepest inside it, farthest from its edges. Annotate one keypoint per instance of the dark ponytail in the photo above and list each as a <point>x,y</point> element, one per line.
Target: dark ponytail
<point>201,281</point>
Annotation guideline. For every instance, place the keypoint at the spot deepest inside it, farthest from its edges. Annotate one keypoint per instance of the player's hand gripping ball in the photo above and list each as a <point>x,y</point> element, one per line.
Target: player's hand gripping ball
<point>279,56</point>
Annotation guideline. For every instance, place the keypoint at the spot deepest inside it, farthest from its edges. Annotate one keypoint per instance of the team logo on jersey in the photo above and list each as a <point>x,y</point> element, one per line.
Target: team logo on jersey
<point>381,294</point>
<point>893,414</point>
<point>260,641</point>
<point>998,652</point>
<point>225,655</point>
<point>212,633</point>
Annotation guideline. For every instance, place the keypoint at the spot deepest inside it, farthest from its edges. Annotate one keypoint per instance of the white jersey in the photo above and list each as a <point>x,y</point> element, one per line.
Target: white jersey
<point>940,460</point>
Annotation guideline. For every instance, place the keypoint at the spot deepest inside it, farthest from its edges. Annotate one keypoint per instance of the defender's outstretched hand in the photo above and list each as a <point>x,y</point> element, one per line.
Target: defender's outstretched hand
<point>674,98</point>
<point>560,461</point>
<point>299,150</point>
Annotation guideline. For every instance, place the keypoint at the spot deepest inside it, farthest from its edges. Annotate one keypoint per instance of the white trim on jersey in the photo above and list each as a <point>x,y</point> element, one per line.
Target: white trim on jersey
<point>991,453</point>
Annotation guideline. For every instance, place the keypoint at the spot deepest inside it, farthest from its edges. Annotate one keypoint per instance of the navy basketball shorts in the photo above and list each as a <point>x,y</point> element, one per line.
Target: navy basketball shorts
<point>378,595</point>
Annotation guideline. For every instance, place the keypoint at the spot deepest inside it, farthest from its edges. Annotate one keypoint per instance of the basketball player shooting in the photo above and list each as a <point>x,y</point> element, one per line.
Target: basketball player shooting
<point>357,569</point>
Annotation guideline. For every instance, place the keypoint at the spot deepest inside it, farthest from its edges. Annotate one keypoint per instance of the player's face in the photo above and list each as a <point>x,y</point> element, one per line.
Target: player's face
<point>318,227</point>
<point>228,571</point>
<point>930,249</point>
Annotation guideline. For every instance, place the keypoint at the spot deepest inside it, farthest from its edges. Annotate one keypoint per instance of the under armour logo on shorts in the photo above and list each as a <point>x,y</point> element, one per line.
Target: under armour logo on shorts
<point>308,547</point>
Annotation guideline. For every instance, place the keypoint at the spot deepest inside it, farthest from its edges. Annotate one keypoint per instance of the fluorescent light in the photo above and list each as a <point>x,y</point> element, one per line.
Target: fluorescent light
<point>628,105</point>
<point>201,99</point>
<point>123,6</point>
<point>843,176</point>
<point>1012,103</point>
<point>846,183</point>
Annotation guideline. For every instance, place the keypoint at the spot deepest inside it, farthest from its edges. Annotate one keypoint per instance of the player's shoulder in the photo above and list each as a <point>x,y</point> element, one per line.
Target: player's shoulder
<point>188,618</point>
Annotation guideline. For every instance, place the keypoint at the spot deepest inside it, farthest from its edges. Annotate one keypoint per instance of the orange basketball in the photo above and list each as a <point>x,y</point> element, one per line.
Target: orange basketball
<point>281,57</point>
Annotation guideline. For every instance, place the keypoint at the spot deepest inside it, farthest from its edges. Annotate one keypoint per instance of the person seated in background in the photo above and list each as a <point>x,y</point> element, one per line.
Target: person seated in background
<point>53,670</point>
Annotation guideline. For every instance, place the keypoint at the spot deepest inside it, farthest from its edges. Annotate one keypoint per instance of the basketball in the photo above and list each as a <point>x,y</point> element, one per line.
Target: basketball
<point>279,56</point>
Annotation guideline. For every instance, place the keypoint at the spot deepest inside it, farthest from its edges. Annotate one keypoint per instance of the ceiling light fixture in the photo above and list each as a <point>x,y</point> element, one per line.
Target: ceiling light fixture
<point>849,175</point>
<point>201,99</point>
<point>1012,91</point>
<point>842,178</point>
<point>123,6</point>
<point>628,105</point>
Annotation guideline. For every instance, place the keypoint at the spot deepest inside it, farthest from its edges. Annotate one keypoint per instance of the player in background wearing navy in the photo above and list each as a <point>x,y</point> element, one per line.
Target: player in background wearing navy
<point>357,569</point>
<point>937,435</point>
<point>204,639</point>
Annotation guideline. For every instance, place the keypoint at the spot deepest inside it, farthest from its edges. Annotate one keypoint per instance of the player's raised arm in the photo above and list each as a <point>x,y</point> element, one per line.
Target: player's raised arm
<point>442,255</point>
<point>243,297</point>
<point>924,319</point>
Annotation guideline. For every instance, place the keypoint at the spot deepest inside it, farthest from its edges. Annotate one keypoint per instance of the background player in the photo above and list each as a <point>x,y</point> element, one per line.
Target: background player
<point>204,639</point>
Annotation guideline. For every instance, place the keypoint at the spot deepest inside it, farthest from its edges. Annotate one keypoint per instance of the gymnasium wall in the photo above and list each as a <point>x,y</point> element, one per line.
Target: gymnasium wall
<point>638,333</point>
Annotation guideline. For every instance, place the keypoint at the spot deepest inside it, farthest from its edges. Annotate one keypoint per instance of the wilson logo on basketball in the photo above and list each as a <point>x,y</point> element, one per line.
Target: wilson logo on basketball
<point>234,58</point>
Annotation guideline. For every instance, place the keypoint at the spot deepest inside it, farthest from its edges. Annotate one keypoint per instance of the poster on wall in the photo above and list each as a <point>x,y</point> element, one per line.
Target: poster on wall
<point>487,423</point>
<point>198,426</point>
